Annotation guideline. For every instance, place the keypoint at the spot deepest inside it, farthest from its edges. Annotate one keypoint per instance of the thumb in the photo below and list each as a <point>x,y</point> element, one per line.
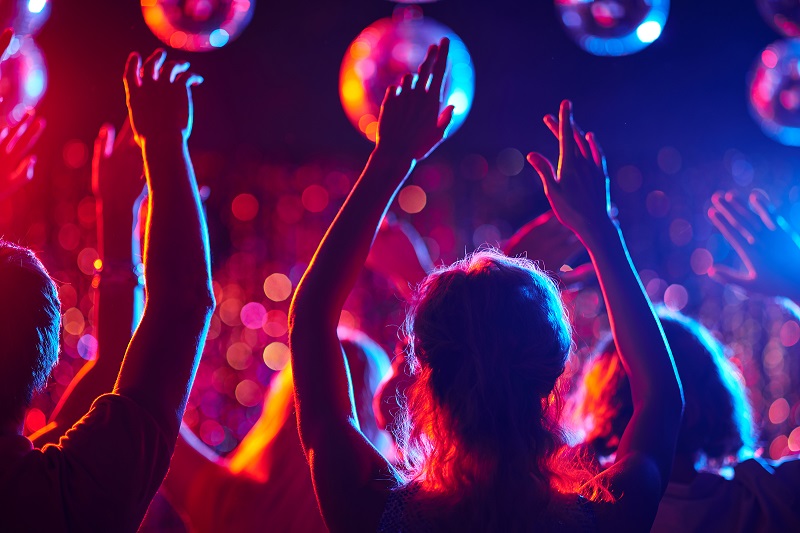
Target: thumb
<point>544,168</point>
<point>445,118</point>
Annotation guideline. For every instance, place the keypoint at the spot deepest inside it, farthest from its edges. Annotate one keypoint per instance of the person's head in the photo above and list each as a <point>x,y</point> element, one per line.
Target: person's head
<point>30,319</point>
<point>717,427</point>
<point>488,341</point>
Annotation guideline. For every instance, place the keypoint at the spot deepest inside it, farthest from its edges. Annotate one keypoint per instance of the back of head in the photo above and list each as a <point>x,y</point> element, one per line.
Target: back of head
<point>30,318</point>
<point>717,426</point>
<point>488,339</point>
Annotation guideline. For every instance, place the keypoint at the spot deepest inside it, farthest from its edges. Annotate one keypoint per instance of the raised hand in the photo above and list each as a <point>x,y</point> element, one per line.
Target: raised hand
<point>579,192</point>
<point>117,167</point>
<point>159,96</point>
<point>410,123</point>
<point>766,244</point>
<point>16,143</point>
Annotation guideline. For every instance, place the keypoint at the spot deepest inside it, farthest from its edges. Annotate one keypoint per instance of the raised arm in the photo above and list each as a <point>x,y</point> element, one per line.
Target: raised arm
<point>579,196</point>
<point>765,242</point>
<point>351,478</point>
<point>117,183</point>
<point>160,362</point>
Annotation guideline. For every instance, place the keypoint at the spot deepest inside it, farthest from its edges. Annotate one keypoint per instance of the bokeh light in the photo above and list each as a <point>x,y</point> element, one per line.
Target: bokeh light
<point>412,199</point>
<point>244,207</point>
<point>390,48</point>
<point>26,17</point>
<point>197,25</point>
<point>775,91</point>
<point>782,15</point>
<point>276,355</point>
<point>613,27</point>
<point>23,78</point>
<point>277,287</point>
<point>34,420</point>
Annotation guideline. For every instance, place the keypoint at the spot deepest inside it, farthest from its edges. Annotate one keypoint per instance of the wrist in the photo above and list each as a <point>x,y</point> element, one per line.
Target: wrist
<point>166,139</point>
<point>600,235</point>
<point>392,155</point>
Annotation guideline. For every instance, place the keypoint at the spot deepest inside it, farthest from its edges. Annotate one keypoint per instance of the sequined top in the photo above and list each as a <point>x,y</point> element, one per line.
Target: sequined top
<point>402,514</point>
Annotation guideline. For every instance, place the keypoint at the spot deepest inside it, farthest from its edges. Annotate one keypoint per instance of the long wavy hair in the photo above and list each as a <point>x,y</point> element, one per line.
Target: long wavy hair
<point>488,340</point>
<point>717,428</point>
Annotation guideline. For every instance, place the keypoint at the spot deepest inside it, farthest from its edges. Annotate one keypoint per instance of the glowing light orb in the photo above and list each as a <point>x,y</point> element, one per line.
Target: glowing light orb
<point>774,91</point>
<point>390,48</point>
<point>613,27</point>
<point>23,78</point>
<point>25,16</point>
<point>197,25</point>
<point>782,15</point>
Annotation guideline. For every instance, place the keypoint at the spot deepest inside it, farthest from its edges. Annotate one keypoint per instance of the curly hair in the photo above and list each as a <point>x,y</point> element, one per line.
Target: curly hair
<point>488,340</point>
<point>717,428</point>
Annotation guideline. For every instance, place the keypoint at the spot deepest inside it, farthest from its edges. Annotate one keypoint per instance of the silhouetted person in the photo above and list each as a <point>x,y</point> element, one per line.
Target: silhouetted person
<point>104,471</point>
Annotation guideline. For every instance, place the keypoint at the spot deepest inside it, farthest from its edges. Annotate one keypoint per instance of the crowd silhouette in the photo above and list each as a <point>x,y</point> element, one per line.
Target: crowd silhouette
<point>468,426</point>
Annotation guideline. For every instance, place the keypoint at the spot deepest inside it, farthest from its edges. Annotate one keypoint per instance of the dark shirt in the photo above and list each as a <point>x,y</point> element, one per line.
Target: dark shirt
<point>100,477</point>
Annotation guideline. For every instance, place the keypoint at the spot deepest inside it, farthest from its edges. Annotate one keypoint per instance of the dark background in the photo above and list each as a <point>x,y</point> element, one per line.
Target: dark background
<point>276,87</point>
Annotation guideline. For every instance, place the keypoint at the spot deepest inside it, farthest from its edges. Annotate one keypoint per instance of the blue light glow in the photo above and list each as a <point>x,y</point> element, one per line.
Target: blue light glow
<point>613,28</point>
<point>649,31</point>
<point>218,38</point>
<point>36,6</point>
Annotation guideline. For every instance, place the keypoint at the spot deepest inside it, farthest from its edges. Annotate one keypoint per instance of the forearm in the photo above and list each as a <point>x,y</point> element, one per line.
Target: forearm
<point>322,383</point>
<point>177,263</point>
<point>344,248</point>
<point>161,359</point>
<point>635,327</point>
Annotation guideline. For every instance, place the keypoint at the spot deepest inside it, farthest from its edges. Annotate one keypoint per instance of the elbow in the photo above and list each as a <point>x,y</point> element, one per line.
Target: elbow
<point>183,306</point>
<point>308,318</point>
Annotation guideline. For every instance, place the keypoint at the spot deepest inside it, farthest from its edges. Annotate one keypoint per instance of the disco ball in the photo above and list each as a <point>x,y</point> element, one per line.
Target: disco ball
<point>782,15</point>
<point>23,78</point>
<point>390,48</point>
<point>775,91</point>
<point>613,27</point>
<point>26,17</point>
<point>197,25</point>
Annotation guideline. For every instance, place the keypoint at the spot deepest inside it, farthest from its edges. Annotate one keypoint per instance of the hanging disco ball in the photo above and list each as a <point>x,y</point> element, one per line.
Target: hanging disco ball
<point>775,91</point>
<point>782,15</point>
<point>613,27</point>
<point>197,25</point>
<point>390,48</point>
<point>26,17</point>
<point>23,78</point>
